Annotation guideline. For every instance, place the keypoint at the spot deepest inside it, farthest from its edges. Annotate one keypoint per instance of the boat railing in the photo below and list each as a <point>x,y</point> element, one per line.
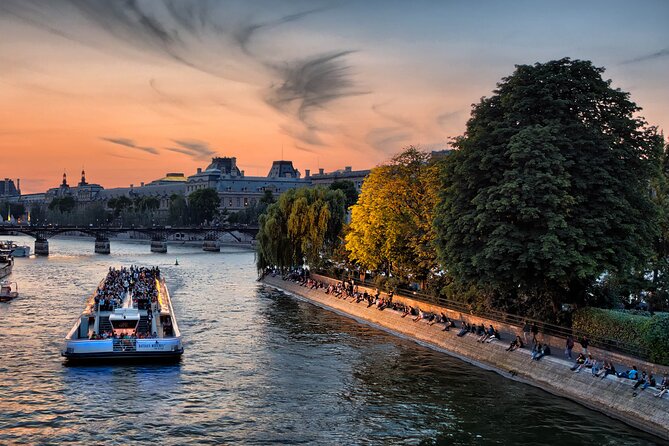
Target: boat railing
<point>124,345</point>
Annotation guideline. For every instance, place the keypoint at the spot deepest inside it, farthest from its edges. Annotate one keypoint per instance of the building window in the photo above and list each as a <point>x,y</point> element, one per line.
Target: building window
<point>246,201</point>
<point>239,202</point>
<point>230,205</point>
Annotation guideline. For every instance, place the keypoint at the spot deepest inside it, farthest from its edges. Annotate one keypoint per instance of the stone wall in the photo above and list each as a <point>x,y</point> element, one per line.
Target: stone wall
<point>509,332</point>
<point>612,396</point>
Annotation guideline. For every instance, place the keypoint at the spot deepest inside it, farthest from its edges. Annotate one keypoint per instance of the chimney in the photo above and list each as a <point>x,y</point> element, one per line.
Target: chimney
<point>142,184</point>
<point>307,173</point>
<point>347,169</point>
<point>18,185</point>
<point>242,173</point>
<point>321,171</point>
<point>131,186</point>
<point>199,170</point>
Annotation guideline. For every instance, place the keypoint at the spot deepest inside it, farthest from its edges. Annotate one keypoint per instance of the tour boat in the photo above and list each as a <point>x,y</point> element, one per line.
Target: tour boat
<point>128,317</point>
<point>16,250</point>
<point>6,263</point>
<point>8,292</point>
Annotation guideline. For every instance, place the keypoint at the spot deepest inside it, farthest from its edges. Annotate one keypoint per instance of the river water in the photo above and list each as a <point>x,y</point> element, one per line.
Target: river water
<point>259,367</point>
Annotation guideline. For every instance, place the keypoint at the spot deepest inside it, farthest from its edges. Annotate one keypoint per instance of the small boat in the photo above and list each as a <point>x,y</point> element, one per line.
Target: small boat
<point>128,317</point>
<point>6,263</point>
<point>8,291</point>
<point>16,250</point>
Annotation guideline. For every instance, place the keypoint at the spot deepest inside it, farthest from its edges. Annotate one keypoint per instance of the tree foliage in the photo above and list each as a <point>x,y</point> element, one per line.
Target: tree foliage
<point>303,226</point>
<point>17,210</point>
<point>391,223</point>
<point>203,205</point>
<point>64,205</point>
<point>549,187</point>
<point>350,192</point>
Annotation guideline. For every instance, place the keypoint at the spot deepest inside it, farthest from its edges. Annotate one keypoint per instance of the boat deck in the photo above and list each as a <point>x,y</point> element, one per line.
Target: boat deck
<point>129,315</point>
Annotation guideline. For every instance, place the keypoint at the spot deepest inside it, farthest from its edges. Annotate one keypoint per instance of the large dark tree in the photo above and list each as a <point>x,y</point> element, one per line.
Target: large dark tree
<point>549,188</point>
<point>203,205</point>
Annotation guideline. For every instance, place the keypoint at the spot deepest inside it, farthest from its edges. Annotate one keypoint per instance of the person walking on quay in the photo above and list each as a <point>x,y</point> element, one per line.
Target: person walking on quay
<point>535,332</point>
<point>584,341</point>
<point>526,332</point>
<point>569,346</point>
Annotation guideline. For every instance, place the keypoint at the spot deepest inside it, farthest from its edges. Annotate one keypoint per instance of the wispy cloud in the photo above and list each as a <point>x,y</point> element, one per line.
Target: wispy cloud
<point>387,139</point>
<point>656,55</point>
<point>244,33</point>
<point>125,142</point>
<point>195,149</point>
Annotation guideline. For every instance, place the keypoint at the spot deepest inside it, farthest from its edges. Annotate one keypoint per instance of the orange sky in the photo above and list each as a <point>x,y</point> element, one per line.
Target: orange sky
<point>327,84</point>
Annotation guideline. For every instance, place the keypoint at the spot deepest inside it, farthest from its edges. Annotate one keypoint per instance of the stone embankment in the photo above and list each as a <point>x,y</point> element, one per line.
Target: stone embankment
<point>612,396</point>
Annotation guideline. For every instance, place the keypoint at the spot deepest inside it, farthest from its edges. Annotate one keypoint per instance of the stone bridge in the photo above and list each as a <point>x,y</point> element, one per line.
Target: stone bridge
<point>158,234</point>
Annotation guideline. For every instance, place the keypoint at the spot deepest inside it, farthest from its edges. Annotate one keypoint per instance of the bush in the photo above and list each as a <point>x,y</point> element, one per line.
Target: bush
<point>649,334</point>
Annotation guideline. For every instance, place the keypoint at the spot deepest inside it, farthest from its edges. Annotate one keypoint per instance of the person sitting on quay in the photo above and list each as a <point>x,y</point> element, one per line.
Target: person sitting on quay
<point>407,311</point>
<point>580,360</point>
<point>644,381</point>
<point>486,334</point>
<point>587,364</point>
<point>663,387</point>
<point>421,315</point>
<point>515,344</point>
<point>607,370</point>
<point>632,374</point>
<point>464,330</point>
<point>542,351</point>
<point>495,336</point>
<point>596,367</point>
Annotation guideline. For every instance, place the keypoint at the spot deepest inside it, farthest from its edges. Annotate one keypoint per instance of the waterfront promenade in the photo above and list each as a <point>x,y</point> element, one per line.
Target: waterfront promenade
<point>613,396</point>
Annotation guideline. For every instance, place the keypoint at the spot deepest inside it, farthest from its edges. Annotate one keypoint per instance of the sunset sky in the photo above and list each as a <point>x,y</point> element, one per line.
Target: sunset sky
<point>131,90</point>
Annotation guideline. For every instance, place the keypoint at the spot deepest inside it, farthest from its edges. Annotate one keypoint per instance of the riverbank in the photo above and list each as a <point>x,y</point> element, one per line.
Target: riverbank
<point>611,396</point>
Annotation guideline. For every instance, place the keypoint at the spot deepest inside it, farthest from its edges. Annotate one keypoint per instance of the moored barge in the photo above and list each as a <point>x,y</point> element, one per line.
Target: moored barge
<point>128,317</point>
<point>6,263</point>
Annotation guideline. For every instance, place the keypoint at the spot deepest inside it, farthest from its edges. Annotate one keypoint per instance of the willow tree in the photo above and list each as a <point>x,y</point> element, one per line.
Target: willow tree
<point>303,226</point>
<point>391,223</point>
<point>549,188</point>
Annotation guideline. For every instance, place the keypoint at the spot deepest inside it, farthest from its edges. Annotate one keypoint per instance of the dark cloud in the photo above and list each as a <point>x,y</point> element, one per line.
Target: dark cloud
<point>656,55</point>
<point>312,83</point>
<point>305,149</point>
<point>197,150</point>
<point>125,142</point>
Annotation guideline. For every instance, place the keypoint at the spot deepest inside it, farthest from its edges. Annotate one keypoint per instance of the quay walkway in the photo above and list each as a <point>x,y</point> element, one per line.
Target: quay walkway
<point>612,396</point>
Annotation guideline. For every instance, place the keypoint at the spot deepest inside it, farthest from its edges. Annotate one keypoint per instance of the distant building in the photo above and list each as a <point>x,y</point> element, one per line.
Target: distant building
<point>236,190</point>
<point>169,178</point>
<point>82,192</point>
<point>8,191</point>
<point>357,177</point>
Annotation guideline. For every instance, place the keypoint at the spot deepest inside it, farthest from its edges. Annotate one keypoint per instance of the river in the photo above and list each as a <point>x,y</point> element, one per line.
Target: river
<point>259,367</point>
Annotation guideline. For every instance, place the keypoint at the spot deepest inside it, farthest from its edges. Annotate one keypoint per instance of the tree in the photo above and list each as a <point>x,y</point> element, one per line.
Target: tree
<point>549,188</point>
<point>17,210</point>
<point>64,205</point>
<point>304,225</point>
<point>391,223</point>
<point>350,192</point>
<point>203,205</point>
<point>178,211</point>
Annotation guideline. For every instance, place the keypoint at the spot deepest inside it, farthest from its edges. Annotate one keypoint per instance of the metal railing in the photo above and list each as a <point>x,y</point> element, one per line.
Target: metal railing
<point>546,328</point>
